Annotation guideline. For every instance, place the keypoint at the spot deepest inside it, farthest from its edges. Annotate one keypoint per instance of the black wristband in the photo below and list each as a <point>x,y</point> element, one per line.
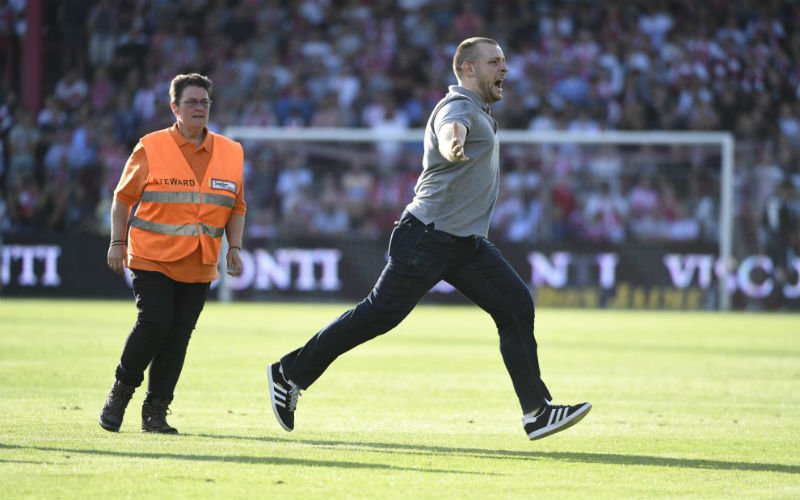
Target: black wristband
<point>237,248</point>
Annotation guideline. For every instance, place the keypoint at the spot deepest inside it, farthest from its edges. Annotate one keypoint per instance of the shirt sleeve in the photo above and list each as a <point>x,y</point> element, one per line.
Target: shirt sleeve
<point>240,206</point>
<point>457,110</point>
<point>134,177</point>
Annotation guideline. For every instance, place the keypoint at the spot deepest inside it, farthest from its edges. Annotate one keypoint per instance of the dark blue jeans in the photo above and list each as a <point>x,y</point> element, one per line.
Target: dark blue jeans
<point>419,257</point>
<point>168,312</point>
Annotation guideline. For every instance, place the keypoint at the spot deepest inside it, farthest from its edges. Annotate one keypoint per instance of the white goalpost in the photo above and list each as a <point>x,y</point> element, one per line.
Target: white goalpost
<point>723,140</point>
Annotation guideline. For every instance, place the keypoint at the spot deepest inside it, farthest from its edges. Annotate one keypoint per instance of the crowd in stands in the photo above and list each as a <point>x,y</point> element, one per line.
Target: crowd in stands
<point>575,65</point>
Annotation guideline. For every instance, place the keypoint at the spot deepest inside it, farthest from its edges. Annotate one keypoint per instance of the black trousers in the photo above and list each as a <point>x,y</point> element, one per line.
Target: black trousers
<point>420,256</point>
<point>168,312</point>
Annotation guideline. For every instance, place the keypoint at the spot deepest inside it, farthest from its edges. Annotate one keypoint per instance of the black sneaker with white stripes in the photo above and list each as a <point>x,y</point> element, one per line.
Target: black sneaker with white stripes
<point>554,418</point>
<point>283,395</point>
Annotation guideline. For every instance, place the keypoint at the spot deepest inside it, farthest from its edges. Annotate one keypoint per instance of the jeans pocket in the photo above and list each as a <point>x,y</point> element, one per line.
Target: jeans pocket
<point>399,237</point>
<point>431,251</point>
<point>410,245</point>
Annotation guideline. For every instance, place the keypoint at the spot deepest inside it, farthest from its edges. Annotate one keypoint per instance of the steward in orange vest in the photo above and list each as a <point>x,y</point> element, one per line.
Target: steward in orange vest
<point>176,211</point>
<point>188,184</point>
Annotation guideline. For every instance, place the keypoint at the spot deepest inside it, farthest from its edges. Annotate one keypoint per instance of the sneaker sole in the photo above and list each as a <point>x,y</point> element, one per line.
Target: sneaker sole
<point>566,424</point>
<point>272,400</point>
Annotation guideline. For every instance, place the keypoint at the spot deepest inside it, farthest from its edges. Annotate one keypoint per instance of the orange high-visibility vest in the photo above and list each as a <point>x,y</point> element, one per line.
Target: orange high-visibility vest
<point>177,212</point>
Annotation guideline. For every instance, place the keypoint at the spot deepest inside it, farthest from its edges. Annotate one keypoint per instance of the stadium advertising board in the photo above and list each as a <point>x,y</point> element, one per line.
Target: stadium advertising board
<point>628,276</point>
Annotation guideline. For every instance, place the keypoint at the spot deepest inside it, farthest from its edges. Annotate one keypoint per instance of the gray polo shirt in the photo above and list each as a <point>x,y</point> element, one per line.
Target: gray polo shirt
<point>459,197</point>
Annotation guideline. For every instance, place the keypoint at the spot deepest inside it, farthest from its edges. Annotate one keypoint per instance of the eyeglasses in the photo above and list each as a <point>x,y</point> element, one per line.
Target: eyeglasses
<point>192,103</point>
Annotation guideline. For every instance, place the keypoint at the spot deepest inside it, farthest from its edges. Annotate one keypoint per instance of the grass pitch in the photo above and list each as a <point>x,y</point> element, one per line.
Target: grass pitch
<point>689,405</point>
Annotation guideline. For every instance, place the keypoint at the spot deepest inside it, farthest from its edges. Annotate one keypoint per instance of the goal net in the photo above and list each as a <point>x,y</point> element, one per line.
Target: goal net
<point>611,211</point>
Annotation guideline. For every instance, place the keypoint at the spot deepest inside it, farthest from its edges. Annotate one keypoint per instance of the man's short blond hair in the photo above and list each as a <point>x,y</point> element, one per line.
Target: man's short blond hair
<point>467,50</point>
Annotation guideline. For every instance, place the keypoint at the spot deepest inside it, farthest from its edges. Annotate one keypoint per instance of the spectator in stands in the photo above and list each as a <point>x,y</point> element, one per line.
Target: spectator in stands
<point>24,203</point>
<point>260,179</point>
<point>56,206</point>
<point>510,204</point>
<point>706,206</point>
<point>297,212</point>
<point>561,208</point>
<point>23,142</point>
<point>52,116</point>
<point>264,224</point>
<point>73,18</point>
<point>83,146</point>
<point>328,113</point>
<point>605,215</point>
<point>57,154</point>
<point>72,90</point>
<point>293,177</point>
<point>133,46</point>
<point>680,226</point>
<point>606,164</point>
<point>525,225</point>
<point>146,102</point>
<point>358,183</point>
<point>293,104</point>
<point>101,91</point>
<point>645,206</point>
<point>779,225</point>
<point>102,27</point>
<point>330,217</point>
<point>125,121</point>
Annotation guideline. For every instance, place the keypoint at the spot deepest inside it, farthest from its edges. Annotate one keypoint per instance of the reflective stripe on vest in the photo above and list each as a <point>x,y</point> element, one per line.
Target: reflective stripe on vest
<point>187,197</point>
<point>177,229</point>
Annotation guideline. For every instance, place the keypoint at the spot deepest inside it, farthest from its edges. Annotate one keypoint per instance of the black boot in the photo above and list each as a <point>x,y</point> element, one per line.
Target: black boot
<point>154,416</point>
<point>114,409</point>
